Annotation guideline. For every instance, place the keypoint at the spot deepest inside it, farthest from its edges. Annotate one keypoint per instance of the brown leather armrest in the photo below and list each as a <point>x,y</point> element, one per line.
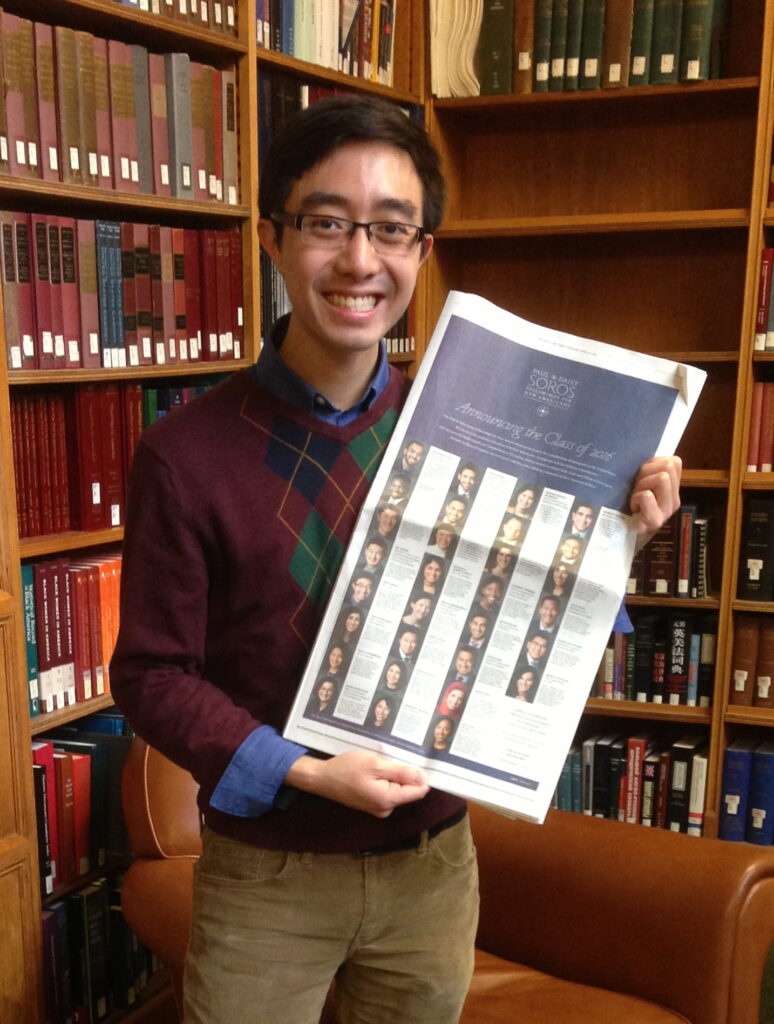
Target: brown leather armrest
<point>681,921</point>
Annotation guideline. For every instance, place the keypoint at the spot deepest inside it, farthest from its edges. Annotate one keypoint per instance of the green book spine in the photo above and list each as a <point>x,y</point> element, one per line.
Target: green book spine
<point>642,39</point>
<point>542,49</point>
<point>558,45</point>
<point>696,40</point>
<point>30,640</point>
<point>494,56</point>
<point>591,44</point>
<point>667,30</point>
<point>572,53</point>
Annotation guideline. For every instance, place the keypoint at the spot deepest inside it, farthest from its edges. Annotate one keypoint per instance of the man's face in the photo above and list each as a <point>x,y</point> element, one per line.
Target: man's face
<point>344,300</point>
<point>388,520</point>
<point>397,488</point>
<point>477,627</point>
<point>537,647</point>
<point>467,479</point>
<point>455,510</point>
<point>407,643</point>
<point>464,663</point>
<point>548,613</point>
<point>361,590</point>
<point>412,454</point>
<point>373,555</point>
<point>570,548</point>
<point>582,518</point>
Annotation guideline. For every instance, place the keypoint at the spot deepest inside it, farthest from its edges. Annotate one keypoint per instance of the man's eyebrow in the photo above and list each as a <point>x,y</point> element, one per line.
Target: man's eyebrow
<point>389,204</point>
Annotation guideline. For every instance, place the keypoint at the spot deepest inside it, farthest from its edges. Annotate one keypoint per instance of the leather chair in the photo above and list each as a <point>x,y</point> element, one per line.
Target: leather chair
<point>583,921</point>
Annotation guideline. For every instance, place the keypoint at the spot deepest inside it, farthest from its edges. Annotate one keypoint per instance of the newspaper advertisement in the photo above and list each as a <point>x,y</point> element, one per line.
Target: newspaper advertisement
<point>491,556</point>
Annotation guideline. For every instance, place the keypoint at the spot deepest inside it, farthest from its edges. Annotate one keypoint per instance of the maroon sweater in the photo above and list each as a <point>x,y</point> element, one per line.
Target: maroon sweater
<point>240,508</point>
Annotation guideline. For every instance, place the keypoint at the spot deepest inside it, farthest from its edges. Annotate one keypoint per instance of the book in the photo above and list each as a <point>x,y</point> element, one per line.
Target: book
<point>682,754</point>
<point>494,53</point>
<point>763,298</point>
<point>558,45</point>
<point>756,553</point>
<point>591,44</point>
<point>159,124</point>
<point>696,40</point>
<point>661,560</point>
<point>87,108</point>
<point>523,46</point>
<point>708,633</point>
<point>49,157</point>
<point>641,41</point>
<point>63,775</point>
<point>177,67</point>
<point>735,789</point>
<point>89,938</point>
<point>573,45</point>
<point>43,757</point>
<point>766,431</point>
<point>123,117</point>
<point>763,692</point>
<point>637,747</point>
<point>678,657</point>
<point>542,45</point>
<point>667,33</point>
<point>698,793</point>
<point>142,110</point>
<point>229,123</point>
<point>760,806</point>
<point>102,113</point>
<point>30,638</point>
<point>616,46</point>
<point>651,771</point>
<point>701,583</point>
<point>687,515</point>
<point>20,96</point>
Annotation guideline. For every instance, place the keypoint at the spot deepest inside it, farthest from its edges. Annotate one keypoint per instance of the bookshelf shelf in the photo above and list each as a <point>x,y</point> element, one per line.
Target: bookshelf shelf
<point>758,481</point>
<point>705,478</point>
<point>52,544</point>
<point>653,712</point>
<point>584,224</point>
<point>700,604</point>
<point>37,378</point>
<point>749,716</point>
<point>753,606</point>
<point>51,719</point>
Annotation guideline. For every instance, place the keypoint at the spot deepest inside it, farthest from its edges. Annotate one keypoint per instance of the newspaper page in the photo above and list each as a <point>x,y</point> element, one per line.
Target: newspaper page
<point>490,559</point>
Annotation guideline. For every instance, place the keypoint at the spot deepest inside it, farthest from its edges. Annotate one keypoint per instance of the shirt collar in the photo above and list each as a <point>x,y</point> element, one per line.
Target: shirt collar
<point>276,377</point>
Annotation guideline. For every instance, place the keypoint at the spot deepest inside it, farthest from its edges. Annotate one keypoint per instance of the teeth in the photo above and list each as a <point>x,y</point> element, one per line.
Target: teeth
<point>362,303</point>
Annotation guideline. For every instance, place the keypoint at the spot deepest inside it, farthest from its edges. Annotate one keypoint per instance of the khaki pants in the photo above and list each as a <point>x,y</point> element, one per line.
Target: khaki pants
<point>271,929</point>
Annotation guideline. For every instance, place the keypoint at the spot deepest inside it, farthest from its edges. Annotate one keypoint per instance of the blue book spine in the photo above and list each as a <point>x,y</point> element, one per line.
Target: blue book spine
<point>103,289</point>
<point>735,788</point>
<point>564,789</point>
<point>694,658</point>
<point>30,638</point>
<point>760,809</point>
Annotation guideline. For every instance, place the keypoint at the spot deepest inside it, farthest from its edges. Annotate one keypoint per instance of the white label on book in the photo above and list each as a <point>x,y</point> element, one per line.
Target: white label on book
<point>230,17</point>
<point>87,687</point>
<point>135,171</point>
<point>104,165</point>
<point>183,7</point>
<point>59,346</point>
<point>107,358</point>
<point>146,346</point>
<point>205,16</point>
<point>3,147</point>
<point>754,566</point>
<point>48,343</point>
<point>193,348</point>
<point>213,342</point>
<point>237,350</point>
<point>222,344</point>
<point>73,351</point>
<point>638,65</point>
<point>202,179</point>
<point>96,498</point>
<point>229,341</point>
<point>144,5</point>
<point>232,195</point>
<point>75,159</point>
<point>115,515</point>
<point>155,7</point>
<point>134,356</point>
<point>212,185</point>
<point>172,348</point>
<point>16,358</point>
<point>184,350</point>
<point>667,65</point>
<point>161,355</point>
<point>541,71</point>
<point>193,7</point>
<point>557,67</point>
<point>674,698</point>
<point>164,173</point>
<point>682,587</point>
<point>661,586</point>
<point>93,343</point>
<point>590,67</point>
<point>100,671</point>
<point>21,153</point>
<point>53,158</point>
<point>93,165</point>
<point>614,73</point>
<point>185,171</point>
<point>218,12</point>
<point>28,346</point>
<point>240,316</point>
<point>740,678</point>
<point>573,67</point>
<point>32,149</point>
<point>758,815</point>
<point>259,32</point>
<point>732,803</point>
<point>219,190</point>
<point>125,172</point>
<point>119,357</point>
<point>764,685</point>
<point>692,70</point>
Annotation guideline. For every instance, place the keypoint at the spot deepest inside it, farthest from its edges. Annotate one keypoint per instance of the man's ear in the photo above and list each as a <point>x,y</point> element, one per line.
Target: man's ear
<point>427,245</point>
<point>267,235</point>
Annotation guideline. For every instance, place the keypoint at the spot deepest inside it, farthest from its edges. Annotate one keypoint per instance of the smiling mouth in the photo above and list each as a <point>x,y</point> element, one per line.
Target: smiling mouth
<point>359,303</point>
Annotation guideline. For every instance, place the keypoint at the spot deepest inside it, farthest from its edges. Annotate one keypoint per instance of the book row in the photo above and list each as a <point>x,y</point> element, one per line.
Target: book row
<point>522,46</point>
<point>90,111</point>
<point>756,550</point>
<point>760,441</point>
<point>218,15</point>
<point>352,36</point>
<point>92,962</point>
<point>747,792</point>
<point>752,662</point>
<point>84,293</point>
<point>70,628</point>
<point>669,658</point>
<point>639,779</point>
<point>72,451</point>
<point>676,562</point>
<point>764,311</point>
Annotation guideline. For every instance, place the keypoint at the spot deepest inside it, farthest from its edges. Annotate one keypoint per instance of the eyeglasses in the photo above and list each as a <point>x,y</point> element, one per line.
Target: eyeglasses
<point>387,237</point>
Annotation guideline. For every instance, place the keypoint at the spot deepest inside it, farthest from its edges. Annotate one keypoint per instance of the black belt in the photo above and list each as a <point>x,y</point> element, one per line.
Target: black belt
<point>412,842</point>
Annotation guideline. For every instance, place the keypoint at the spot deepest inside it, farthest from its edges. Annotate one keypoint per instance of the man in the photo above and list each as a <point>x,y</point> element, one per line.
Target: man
<point>549,609</point>
<point>411,458</point>
<point>454,513</point>
<point>582,520</point>
<point>386,520</point>
<point>464,663</point>
<point>397,490</point>
<point>478,625</point>
<point>311,866</point>
<point>465,483</point>
<point>361,590</point>
<point>535,648</point>
<point>373,557</point>
<point>408,641</point>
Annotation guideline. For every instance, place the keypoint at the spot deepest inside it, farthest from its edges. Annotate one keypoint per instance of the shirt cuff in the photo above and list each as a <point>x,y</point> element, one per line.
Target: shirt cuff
<point>623,624</point>
<point>249,786</point>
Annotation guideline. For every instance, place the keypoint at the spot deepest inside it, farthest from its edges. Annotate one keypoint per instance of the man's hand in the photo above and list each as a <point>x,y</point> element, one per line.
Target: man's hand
<point>656,495</point>
<point>360,779</point>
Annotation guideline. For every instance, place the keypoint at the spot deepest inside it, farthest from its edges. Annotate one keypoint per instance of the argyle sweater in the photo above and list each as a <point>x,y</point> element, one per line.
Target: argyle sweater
<point>240,508</point>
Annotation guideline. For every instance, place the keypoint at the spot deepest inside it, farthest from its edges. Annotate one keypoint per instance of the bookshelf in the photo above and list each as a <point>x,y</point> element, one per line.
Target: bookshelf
<point>634,216</point>
<point>20,897</point>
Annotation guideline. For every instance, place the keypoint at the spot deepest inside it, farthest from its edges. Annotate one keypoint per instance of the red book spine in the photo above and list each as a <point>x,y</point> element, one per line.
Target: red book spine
<point>63,770</point>
<point>199,114</point>
<point>67,105</point>
<point>762,307</point>
<point>81,811</point>
<point>50,163</point>
<point>43,754</point>
<point>22,497</point>
<point>207,261</point>
<point>20,99</point>
<point>28,441</point>
<point>216,187</point>
<point>129,294</point>
<point>157,294</point>
<point>180,352</point>
<point>112,455</point>
<point>55,276</point>
<point>662,794</point>
<point>102,112</point>
<point>754,438</point>
<point>95,628</point>
<point>131,397</point>
<point>58,449</point>
<point>44,619</point>
<point>87,459</point>
<point>193,301</point>
<point>168,296</point>
<point>766,445</point>
<point>143,293</point>
<point>42,285</point>
<point>71,307</point>
<point>126,171</point>
<point>12,334</point>
<point>66,627</point>
<point>237,301</point>
<point>25,287</point>
<point>223,297</point>
<point>42,454</point>
<point>91,347</point>
<point>159,123</point>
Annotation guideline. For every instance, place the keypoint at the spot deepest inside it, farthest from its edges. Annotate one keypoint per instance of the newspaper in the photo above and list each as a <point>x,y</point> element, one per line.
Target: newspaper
<point>490,559</point>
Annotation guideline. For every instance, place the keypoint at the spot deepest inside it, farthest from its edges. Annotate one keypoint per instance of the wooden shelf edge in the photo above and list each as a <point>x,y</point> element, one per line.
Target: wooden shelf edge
<point>600,223</point>
<point>735,715</point>
<point>478,103</point>
<point>646,710</point>
<point>758,481</point>
<point>282,61</point>
<point>753,606</point>
<point>706,477</point>
<point>51,719</point>
<point>18,378</point>
<point>72,540</point>
<point>642,600</point>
